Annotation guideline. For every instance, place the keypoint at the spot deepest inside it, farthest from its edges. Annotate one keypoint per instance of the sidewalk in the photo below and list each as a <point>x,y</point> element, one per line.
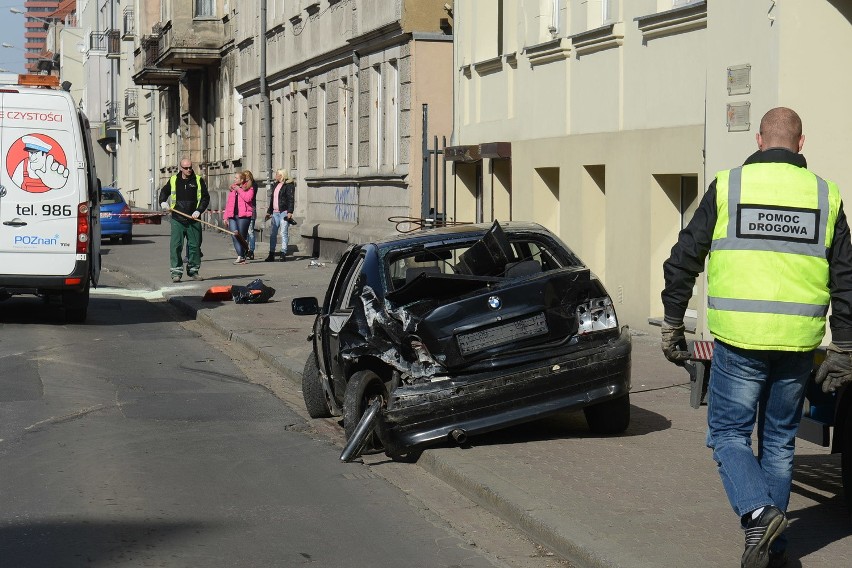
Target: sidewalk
<point>649,498</point>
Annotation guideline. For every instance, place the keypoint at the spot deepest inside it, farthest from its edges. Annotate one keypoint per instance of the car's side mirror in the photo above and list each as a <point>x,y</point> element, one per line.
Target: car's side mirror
<point>305,306</point>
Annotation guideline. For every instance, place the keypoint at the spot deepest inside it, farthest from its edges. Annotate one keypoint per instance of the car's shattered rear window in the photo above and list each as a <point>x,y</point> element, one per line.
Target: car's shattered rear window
<point>475,262</point>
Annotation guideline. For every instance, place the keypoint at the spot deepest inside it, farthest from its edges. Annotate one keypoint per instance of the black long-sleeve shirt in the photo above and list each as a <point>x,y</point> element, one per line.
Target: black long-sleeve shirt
<point>186,195</point>
<point>693,244</point>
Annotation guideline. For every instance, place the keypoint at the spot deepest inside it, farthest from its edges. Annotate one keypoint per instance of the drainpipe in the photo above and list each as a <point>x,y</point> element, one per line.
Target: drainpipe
<point>265,105</point>
<point>113,86</point>
<point>152,102</point>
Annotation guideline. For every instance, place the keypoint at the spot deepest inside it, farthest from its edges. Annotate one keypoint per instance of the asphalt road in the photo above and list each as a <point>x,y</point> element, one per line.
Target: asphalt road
<point>130,441</point>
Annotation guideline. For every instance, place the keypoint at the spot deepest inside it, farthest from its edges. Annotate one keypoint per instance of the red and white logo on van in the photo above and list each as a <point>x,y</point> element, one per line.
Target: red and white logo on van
<point>37,163</point>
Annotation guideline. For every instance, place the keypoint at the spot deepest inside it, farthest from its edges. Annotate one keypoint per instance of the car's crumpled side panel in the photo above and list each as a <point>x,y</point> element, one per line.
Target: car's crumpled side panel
<point>386,334</point>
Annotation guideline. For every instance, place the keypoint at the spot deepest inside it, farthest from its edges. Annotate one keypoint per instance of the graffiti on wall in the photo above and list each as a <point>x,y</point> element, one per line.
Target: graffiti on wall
<point>346,204</point>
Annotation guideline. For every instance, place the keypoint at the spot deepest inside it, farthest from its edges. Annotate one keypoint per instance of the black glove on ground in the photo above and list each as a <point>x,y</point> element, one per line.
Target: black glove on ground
<point>674,343</point>
<point>836,370</point>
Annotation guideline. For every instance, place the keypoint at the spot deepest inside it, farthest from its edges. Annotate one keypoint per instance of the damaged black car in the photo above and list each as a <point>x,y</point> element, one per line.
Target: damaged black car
<point>450,332</point>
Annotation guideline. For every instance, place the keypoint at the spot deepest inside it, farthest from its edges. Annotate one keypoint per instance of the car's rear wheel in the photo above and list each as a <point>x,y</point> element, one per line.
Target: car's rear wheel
<point>362,388</point>
<point>610,417</point>
<point>126,239</point>
<point>312,391</point>
<point>76,305</point>
<point>113,239</point>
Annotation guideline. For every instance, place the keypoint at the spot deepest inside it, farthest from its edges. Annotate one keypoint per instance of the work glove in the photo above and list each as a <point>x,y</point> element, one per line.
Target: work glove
<point>165,205</point>
<point>196,214</point>
<point>674,343</point>
<point>836,370</point>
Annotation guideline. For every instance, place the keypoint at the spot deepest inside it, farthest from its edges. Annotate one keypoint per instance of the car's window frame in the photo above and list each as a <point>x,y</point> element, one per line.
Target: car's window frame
<point>553,253</point>
<point>351,285</point>
<point>336,279</point>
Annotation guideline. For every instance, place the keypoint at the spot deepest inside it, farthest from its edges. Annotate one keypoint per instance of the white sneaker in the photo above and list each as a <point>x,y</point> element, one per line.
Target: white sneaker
<point>240,260</point>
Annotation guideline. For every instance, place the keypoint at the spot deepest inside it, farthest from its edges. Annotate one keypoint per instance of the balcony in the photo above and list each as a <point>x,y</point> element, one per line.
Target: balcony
<point>113,44</point>
<point>98,41</point>
<point>147,70</point>
<point>111,116</point>
<point>190,44</point>
<point>131,105</point>
<point>107,41</point>
<point>129,28</point>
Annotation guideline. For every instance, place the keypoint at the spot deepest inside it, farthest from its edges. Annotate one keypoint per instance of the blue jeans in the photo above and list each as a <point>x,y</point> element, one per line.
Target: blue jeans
<point>251,237</point>
<point>279,222</point>
<point>239,225</point>
<point>756,387</point>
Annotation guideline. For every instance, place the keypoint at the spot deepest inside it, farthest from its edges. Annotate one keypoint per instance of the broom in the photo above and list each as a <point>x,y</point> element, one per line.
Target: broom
<point>241,239</point>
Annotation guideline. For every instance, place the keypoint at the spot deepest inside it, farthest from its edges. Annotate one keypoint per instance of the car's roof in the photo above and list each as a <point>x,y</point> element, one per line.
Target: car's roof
<point>455,231</point>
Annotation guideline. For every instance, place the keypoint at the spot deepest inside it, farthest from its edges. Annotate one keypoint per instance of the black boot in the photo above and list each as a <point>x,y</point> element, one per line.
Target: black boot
<point>250,255</point>
<point>270,258</point>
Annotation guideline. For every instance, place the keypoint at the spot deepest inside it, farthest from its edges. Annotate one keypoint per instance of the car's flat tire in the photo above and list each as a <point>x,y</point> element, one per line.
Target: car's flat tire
<point>361,388</point>
<point>609,417</point>
<point>312,391</point>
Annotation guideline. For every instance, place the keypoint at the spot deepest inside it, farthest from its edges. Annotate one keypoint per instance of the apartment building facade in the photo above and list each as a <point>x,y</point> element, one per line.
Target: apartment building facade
<point>354,87</point>
<point>35,31</point>
<point>605,120</point>
<point>177,100</point>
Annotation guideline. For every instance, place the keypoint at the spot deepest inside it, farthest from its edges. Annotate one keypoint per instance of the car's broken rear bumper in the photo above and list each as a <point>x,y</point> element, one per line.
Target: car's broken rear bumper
<point>422,414</point>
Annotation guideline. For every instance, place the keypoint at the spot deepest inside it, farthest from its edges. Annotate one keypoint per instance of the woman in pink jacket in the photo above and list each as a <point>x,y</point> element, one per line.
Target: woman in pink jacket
<point>239,210</point>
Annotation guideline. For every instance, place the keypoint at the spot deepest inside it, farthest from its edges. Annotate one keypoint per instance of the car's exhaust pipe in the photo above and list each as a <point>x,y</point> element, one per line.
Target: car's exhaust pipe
<point>459,435</point>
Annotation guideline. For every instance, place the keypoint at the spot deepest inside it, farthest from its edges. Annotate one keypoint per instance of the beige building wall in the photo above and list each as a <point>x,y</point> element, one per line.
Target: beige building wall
<point>617,116</point>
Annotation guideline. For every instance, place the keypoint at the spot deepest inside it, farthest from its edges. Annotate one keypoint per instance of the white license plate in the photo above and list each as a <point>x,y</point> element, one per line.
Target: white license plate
<point>502,334</point>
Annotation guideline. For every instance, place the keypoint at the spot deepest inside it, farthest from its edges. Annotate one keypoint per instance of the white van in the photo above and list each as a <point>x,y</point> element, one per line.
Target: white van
<point>49,213</point>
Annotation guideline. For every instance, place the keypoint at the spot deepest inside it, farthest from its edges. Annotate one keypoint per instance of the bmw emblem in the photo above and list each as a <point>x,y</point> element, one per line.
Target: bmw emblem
<point>494,302</point>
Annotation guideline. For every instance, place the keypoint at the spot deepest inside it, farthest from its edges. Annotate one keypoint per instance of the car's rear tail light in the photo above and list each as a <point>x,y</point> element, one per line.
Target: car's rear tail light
<point>83,228</point>
<point>125,212</point>
<point>596,315</point>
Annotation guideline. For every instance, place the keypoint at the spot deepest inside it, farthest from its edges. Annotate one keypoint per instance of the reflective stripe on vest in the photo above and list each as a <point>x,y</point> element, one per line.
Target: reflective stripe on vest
<point>173,185</point>
<point>768,272</point>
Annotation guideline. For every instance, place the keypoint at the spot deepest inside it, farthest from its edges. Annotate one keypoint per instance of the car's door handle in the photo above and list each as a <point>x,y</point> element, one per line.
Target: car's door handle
<point>15,223</point>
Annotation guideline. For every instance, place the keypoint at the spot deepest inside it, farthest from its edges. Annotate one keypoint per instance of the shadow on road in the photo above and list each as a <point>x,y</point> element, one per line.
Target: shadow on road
<point>90,542</point>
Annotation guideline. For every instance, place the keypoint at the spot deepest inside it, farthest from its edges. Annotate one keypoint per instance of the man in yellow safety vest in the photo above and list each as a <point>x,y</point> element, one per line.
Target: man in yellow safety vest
<point>779,253</point>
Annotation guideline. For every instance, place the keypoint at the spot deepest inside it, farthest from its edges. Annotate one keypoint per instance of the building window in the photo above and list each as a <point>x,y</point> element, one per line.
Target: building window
<point>343,123</point>
<point>204,8</point>
<point>321,126</point>
<point>378,116</point>
<point>393,114</point>
<point>554,18</point>
<point>609,12</point>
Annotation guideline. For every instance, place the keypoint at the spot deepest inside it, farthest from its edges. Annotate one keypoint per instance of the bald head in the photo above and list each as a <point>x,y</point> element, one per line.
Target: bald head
<point>781,127</point>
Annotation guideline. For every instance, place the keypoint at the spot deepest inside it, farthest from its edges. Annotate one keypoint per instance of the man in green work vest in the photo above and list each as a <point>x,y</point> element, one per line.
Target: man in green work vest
<point>780,252</point>
<point>185,193</point>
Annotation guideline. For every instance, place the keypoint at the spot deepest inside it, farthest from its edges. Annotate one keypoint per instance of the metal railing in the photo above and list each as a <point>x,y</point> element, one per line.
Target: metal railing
<point>113,43</point>
<point>98,41</point>
<point>150,50</point>
<point>131,104</point>
<point>129,24</point>
<point>111,115</point>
